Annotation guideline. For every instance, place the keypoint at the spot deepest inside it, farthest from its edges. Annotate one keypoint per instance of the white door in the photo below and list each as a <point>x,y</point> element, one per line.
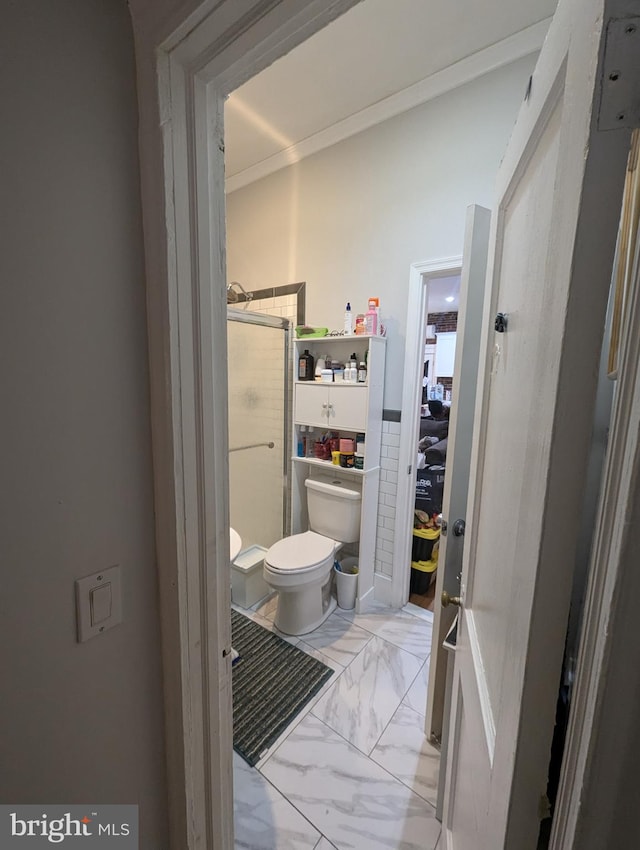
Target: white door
<point>456,485</point>
<point>553,238</point>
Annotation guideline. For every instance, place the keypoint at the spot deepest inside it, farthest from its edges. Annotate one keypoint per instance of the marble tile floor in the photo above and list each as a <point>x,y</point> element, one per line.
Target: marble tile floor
<point>353,771</point>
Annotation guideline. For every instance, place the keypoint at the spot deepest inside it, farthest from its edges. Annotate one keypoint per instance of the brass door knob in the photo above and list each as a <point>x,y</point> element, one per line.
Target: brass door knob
<point>447,600</point>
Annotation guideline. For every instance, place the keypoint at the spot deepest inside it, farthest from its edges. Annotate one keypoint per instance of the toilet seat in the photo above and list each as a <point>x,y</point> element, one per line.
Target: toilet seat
<point>300,553</point>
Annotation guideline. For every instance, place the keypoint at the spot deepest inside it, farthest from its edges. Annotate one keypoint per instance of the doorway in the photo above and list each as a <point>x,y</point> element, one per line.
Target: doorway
<point>440,332</point>
<point>420,356</point>
<point>198,313</point>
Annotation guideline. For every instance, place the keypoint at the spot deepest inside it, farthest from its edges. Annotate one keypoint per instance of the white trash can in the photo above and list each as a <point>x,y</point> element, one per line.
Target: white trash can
<point>347,583</point>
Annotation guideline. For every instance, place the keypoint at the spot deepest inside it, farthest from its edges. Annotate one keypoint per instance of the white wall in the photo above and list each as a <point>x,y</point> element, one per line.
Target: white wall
<point>80,723</point>
<point>351,219</point>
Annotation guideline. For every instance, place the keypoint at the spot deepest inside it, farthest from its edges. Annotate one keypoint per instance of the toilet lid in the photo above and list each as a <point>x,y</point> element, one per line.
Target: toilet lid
<point>300,552</point>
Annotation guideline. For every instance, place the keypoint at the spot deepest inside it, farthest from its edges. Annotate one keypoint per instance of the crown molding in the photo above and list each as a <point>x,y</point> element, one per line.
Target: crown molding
<point>498,55</point>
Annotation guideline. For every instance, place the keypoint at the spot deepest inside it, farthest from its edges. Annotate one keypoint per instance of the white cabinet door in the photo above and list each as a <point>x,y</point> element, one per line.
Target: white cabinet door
<point>348,407</point>
<point>332,406</point>
<point>312,404</point>
<point>445,355</point>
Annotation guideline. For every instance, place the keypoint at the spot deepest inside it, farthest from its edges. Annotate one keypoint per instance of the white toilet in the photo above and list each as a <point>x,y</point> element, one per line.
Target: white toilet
<point>300,567</point>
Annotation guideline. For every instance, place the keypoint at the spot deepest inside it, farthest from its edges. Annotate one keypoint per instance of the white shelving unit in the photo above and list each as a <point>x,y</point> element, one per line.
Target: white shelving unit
<point>349,409</point>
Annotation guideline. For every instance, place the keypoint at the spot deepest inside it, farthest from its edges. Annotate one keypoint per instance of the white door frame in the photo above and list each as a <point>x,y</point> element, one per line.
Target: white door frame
<point>182,82</point>
<point>603,715</point>
<point>419,276</point>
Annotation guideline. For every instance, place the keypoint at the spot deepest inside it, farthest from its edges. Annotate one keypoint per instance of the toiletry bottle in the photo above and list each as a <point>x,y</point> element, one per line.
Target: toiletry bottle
<point>353,369</point>
<point>301,441</point>
<point>305,366</point>
<point>319,367</point>
<point>362,374</point>
<point>348,320</point>
<point>371,319</point>
<point>311,438</point>
<point>378,323</point>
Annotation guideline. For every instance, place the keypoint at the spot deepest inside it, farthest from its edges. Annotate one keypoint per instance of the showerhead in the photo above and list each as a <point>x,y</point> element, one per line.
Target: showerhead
<point>232,295</point>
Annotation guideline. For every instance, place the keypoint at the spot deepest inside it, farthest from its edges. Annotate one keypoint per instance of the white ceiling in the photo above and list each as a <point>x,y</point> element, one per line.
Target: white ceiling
<point>376,50</point>
<point>439,290</point>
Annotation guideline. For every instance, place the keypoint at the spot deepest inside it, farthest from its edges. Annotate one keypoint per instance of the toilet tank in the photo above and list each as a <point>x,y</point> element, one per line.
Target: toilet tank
<point>334,509</point>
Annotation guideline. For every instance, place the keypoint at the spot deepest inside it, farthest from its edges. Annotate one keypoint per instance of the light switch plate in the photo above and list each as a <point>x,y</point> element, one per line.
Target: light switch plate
<point>96,596</point>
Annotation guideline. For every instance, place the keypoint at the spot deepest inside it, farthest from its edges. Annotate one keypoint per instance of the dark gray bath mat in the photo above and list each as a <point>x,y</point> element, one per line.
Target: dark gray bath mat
<point>272,682</point>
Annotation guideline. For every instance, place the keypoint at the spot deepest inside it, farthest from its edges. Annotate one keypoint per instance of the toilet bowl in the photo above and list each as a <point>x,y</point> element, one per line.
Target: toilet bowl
<point>299,568</point>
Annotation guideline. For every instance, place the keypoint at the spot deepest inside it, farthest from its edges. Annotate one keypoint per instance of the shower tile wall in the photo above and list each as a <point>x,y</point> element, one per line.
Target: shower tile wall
<point>390,453</point>
<point>285,306</point>
<point>281,305</point>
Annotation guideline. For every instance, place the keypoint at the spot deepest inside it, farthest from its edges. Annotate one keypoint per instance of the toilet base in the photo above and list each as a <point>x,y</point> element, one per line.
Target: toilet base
<point>291,620</point>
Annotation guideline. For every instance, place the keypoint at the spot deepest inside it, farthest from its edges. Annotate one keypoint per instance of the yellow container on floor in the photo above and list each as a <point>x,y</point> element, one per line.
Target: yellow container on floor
<point>424,552</point>
<point>426,544</point>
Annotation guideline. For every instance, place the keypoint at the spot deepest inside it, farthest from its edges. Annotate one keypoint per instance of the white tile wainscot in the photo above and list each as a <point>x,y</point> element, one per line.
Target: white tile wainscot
<point>387,498</point>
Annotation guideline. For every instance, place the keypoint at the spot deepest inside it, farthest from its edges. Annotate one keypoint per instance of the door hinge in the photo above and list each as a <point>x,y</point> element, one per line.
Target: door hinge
<point>619,83</point>
<point>409,468</point>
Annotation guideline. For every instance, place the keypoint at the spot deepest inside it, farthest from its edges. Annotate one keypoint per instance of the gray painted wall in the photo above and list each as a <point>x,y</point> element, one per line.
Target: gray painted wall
<point>80,723</point>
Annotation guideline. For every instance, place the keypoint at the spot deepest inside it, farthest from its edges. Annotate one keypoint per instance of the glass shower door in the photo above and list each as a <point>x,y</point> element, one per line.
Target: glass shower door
<point>259,376</point>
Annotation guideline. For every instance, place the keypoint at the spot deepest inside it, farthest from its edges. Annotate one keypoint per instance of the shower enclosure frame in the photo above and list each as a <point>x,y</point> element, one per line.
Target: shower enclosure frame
<point>278,323</point>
